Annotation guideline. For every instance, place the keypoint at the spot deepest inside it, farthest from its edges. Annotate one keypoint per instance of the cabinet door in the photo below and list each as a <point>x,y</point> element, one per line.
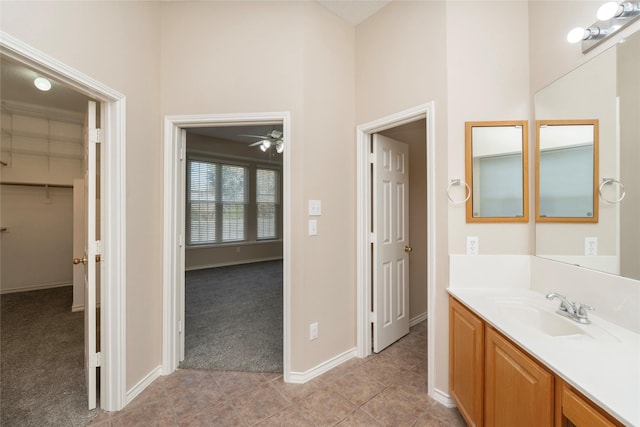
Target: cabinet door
<point>466,361</point>
<point>518,391</point>
<point>575,410</point>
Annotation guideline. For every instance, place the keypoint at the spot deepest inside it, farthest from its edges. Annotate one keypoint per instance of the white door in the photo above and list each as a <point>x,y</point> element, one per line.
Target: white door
<point>391,241</point>
<point>91,255</point>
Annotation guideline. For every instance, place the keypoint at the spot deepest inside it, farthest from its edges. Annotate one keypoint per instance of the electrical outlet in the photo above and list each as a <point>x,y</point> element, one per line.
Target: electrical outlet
<point>472,245</point>
<point>313,331</point>
<point>315,207</point>
<point>591,246</point>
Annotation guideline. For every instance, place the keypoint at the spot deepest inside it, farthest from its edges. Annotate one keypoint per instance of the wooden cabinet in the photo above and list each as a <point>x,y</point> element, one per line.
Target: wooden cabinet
<point>496,383</point>
<point>518,391</point>
<point>575,410</point>
<point>466,362</point>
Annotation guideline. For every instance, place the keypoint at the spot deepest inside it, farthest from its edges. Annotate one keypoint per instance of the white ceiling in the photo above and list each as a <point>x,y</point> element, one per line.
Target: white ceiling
<point>354,11</point>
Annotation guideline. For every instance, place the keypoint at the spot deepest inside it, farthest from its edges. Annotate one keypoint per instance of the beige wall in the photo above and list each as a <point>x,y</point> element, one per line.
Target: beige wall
<point>471,74</point>
<point>304,65</point>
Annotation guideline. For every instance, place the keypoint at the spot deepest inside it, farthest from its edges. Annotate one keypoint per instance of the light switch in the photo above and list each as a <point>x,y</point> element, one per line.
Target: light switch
<point>315,208</point>
<point>313,227</point>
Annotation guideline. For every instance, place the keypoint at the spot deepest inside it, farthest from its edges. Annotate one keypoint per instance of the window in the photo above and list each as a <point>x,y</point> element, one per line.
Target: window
<point>216,202</point>
<point>267,201</point>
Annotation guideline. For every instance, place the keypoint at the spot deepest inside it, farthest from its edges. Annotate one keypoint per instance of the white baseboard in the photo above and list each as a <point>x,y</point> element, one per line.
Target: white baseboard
<point>227,264</point>
<point>443,398</point>
<point>35,287</point>
<point>303,377</point>
<point>143,384</point>
<point>418,319</point>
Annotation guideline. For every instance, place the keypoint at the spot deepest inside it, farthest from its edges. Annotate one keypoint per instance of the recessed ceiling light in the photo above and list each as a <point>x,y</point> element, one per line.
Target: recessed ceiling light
<point>42,83</point>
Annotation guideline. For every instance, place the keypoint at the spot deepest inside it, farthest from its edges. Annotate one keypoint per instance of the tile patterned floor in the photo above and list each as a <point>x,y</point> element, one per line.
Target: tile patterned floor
<point>386,389</point>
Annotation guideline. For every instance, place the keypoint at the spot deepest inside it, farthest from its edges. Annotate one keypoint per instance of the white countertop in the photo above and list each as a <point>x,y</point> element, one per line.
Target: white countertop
<point>604,364</point>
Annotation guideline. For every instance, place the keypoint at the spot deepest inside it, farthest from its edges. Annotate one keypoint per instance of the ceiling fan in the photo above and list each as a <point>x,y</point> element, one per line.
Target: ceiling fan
<point>271,139</point>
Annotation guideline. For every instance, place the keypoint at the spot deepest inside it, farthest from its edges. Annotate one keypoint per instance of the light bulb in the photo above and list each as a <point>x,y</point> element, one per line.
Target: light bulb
<point>42,84</point>
<point>576,35</point>
<point>608,11</point>
<point>263,147</point>
<point>280,147</point>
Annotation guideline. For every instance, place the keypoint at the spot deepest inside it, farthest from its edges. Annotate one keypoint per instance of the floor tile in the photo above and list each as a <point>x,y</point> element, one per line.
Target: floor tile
<point>385,389</point>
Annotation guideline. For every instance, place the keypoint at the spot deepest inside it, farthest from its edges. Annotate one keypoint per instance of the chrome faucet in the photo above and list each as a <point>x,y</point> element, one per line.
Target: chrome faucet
<point>572,310</point>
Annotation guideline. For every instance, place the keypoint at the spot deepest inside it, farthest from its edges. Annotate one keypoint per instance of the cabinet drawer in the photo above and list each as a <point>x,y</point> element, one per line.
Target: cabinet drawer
<point>576,410</point>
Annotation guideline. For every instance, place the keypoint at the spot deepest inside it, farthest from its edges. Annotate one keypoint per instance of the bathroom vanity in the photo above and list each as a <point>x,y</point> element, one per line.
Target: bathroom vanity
<point>515,361</point>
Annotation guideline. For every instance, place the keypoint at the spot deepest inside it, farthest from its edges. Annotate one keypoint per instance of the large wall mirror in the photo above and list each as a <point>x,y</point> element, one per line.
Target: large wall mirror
<point>567,170</point>
<point>605,88</point>
<point>497,171</point>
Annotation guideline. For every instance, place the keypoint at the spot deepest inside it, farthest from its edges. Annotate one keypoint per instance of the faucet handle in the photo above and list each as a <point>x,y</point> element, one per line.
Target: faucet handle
<point>582,309</point>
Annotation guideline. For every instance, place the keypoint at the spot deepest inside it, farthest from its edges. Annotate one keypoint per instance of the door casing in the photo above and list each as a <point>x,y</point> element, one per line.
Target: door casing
<point>113,396</point>
<point>364,215</point>
<point>174,226</point>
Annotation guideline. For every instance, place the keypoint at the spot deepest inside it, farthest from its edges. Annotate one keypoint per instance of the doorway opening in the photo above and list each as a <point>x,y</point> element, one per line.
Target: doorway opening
<point>394,125</point>
<point>111,152</point>
<point>233,255</point>
<point>250,233</point>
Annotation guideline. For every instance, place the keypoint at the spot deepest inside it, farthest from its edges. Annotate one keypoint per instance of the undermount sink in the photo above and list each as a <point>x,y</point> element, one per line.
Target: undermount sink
<point>547,322</point>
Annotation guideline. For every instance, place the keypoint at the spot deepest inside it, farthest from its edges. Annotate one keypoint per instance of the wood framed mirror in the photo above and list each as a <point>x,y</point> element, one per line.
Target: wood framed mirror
<point>567,170</point>
<point>497,171</point>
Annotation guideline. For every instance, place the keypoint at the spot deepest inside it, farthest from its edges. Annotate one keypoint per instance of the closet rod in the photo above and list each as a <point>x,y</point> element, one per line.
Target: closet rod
<point>30,184</point>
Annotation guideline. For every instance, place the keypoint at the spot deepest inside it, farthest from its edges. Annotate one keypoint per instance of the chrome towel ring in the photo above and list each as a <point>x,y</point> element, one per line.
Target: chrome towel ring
<point>606,181</point>
<point>455,182</point>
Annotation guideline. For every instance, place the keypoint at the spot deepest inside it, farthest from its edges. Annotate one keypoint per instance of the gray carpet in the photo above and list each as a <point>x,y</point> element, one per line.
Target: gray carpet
<point>233,319</point>
<point>42,357</point>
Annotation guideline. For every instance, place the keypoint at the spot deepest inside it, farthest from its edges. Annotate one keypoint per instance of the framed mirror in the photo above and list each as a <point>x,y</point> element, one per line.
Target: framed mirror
<point>567,170</point>
<point>497,171</point>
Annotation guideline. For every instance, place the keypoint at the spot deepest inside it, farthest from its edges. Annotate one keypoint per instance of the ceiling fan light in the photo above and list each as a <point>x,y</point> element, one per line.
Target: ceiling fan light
<point>279,147</point>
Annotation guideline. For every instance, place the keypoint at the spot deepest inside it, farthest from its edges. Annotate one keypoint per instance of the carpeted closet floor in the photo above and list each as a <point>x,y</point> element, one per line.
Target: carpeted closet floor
<point>41,364</point>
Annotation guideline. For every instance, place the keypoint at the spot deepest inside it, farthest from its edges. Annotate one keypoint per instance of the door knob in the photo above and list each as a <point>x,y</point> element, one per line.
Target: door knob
<point>408,249</point>
<point>82,260</point>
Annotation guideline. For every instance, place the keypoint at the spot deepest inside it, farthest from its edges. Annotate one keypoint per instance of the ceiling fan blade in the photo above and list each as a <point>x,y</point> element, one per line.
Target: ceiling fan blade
<point>254,136</point>
<point>255,143</point>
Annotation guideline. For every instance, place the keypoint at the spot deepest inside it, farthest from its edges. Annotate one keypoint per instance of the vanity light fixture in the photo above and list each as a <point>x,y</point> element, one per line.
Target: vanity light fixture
<point>579,34</point>
<point>612,9</point>
<point>612,16</point>
<point>42,84</point>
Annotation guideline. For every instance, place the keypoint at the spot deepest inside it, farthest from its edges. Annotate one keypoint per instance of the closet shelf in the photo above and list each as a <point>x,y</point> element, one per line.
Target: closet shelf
<point>34,184</point>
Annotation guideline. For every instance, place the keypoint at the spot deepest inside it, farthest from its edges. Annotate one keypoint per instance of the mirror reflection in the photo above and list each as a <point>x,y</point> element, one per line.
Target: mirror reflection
<point>567,170</point>
<point>496,171</point>
<point>606,88</point>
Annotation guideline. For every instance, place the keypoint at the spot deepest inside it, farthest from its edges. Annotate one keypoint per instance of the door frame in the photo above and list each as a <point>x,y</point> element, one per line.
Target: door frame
<point>174,226</point>
<point>113,212</point>
<point>364,215</point>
